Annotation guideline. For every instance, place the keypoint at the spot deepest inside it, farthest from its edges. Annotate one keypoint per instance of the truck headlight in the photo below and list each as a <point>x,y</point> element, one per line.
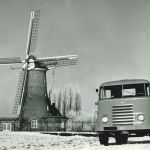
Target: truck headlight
<point>104,119</point>
<point>141,117</point>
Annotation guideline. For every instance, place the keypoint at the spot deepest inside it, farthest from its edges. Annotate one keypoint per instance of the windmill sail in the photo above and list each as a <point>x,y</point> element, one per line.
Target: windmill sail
<point>20,92</point>
<point>30,63</point>
<point>10,60</point>
<point>58,61</point>
<point>33,31</point>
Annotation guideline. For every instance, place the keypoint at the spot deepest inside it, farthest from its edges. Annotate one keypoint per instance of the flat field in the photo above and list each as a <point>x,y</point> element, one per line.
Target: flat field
<point>37,141</point>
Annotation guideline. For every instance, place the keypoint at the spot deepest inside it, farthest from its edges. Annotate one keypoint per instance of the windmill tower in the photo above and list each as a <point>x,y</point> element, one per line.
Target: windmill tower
<point>31,100</point>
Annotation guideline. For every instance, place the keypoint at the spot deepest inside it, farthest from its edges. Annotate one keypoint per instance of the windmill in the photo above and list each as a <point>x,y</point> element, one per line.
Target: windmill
<point>31,99</point>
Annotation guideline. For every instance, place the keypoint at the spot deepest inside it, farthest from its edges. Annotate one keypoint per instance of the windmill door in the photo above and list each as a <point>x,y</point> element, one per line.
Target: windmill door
<point>6,126</point>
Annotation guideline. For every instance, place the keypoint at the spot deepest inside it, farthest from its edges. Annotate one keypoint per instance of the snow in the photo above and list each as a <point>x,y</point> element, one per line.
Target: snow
<point>37,141</point>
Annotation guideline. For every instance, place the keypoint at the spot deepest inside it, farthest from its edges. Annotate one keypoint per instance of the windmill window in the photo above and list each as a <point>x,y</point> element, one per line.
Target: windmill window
<point>34,124</point>
<point>47,108</point>
<point>29,95</point>
<point>43,80</point>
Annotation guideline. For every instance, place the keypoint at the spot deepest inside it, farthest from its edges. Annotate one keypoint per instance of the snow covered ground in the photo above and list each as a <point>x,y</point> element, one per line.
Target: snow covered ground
<point>37,141</point>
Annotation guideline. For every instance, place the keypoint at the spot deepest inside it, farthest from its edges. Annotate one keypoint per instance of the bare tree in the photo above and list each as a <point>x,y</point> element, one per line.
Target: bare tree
<point>59,100</point>
<point>70,100</point>
<point>50,96</point>
<point>77,103</point>
<point>54,98</point>
<point>64,102</point>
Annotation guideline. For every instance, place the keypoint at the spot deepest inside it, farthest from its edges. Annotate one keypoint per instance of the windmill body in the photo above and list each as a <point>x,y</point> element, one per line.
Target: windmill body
<point>31,102</point>
<point>35,103</point>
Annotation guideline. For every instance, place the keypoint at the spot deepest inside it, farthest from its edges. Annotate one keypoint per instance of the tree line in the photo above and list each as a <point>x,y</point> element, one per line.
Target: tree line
<point>67,101</point>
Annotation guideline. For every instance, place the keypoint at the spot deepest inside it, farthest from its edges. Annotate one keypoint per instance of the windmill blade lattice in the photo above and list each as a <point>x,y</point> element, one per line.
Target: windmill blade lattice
<point>20,92</point>
<point>10,60</point>
<point>33,32</point>
<point>33,63</point>
<point>58,61</point>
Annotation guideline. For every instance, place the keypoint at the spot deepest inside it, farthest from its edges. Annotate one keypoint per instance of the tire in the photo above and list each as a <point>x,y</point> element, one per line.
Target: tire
<point>103,138</point>
<point>125,139</point>
<point>121,139</point>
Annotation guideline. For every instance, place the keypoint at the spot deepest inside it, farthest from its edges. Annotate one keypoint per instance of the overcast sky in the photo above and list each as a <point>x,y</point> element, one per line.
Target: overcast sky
<point>110,37</point>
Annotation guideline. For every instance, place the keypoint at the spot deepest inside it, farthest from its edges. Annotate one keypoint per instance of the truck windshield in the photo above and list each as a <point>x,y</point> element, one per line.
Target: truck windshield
<point>121,91</point>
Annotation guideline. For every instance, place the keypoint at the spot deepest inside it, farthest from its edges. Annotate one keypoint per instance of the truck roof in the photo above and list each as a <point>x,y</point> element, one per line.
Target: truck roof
<point>126,81</point>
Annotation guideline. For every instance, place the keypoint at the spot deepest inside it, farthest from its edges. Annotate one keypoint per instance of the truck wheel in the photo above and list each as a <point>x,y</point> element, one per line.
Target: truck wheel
<point>103,138</point>
<point>125,139</point>
<point>121,138</point>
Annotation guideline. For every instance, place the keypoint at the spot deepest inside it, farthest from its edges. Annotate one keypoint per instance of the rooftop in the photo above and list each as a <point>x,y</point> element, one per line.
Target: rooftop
<point>127,81</point>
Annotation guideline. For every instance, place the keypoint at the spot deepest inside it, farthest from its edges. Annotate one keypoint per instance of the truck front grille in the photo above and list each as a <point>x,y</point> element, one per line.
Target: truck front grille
<point>122,114</point>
